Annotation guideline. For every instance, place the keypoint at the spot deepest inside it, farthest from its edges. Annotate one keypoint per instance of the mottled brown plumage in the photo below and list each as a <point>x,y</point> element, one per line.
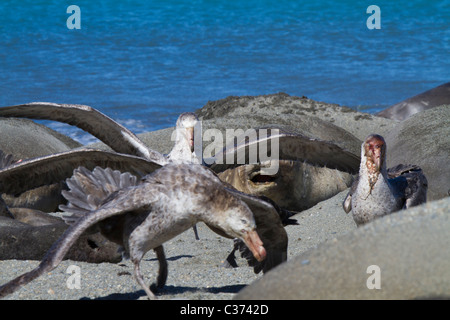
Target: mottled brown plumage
<point>60,166</point>
<point>36,172</point>
<point>150,219</point>
<point>113,134</point>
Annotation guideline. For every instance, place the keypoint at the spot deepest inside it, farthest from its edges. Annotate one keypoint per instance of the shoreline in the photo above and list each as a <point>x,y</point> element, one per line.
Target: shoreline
<point>194,266</point>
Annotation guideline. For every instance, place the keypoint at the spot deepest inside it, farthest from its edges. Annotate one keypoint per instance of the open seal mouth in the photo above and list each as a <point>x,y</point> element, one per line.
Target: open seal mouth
<point>257,176</point>
<point>260,178</point>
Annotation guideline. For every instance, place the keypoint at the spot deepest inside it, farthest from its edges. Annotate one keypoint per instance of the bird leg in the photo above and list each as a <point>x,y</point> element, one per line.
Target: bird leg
<point>230,261</point>
<point>195,232</point>
<point>140,280</point>
<point>163,270</point>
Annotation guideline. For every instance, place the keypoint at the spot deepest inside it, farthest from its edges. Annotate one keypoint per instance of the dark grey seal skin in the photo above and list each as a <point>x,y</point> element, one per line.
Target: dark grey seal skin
<point>34,217</point>
<point>45,198</point>
<point>424,139</point>
<point>28,233</point>
<point>22,241</point>
<point>309,170</point>
<point>300,113</point>
<point>23,139</point>
<point>426,100</point>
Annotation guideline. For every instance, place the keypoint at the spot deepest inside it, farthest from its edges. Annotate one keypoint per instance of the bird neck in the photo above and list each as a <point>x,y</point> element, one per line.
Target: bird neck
<point>182,151</point>
<point>372,177</point>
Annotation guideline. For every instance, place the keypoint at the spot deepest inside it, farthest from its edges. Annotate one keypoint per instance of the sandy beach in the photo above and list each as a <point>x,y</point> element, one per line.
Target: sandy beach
<point>195,270</point>
<point>195,266</point>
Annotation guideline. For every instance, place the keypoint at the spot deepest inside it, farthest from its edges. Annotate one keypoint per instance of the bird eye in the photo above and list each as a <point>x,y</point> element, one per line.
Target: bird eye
<point>244,221</point>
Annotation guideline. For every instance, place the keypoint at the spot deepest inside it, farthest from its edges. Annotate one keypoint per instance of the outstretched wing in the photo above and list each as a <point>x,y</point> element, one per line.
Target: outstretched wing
<point>125,200</point>
<point>89,189</point>
<point>36,172</point>
<point>256,147</point>
<point>410,183</point>
<point>113,134</point>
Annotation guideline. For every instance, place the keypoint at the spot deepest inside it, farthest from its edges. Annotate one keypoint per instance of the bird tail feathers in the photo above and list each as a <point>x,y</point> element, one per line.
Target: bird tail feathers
<point>89,189</point>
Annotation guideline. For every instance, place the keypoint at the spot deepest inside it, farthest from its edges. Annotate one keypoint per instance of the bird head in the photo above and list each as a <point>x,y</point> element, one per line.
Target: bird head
<point>238,222</point>
<point>374,150</point>
<point>185,128</point>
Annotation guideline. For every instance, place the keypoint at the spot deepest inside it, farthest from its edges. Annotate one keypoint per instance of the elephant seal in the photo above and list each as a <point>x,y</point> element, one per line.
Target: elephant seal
<point>27,233</point>
<point>346,267</point>
<point>426,100</point>
<point>23,241</point>
<point>23,139</point>
<point>309,186</point>
<point>424,140</point>
<point>140,218</point>
<point>309,170</point>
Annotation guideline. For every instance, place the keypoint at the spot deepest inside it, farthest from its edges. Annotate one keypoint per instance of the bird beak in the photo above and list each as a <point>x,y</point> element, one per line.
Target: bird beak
<point>377,158</point>
<point>190,134</point>
<point>254,243</point>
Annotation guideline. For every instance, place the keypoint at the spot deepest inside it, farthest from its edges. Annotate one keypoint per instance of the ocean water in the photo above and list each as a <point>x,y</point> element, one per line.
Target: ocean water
<point>144,62</point>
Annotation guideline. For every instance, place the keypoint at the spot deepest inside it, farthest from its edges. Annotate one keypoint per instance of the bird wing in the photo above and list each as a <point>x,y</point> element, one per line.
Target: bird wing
<point>125,200</point>
<point>113,134</point>
<point>89,189</point>
<point>291,146</point>
<point>347,203</point>
<point>410,183</point>
<point>36,172</point>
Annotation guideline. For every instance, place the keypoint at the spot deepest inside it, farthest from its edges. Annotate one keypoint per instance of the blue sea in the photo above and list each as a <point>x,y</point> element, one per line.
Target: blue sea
<point>144,62</point>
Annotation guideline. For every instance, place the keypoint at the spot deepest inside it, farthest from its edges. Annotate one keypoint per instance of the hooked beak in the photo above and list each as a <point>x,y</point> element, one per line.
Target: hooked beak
<point>377,158</point>
<point>190,136</point>
<point>254,243</point>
